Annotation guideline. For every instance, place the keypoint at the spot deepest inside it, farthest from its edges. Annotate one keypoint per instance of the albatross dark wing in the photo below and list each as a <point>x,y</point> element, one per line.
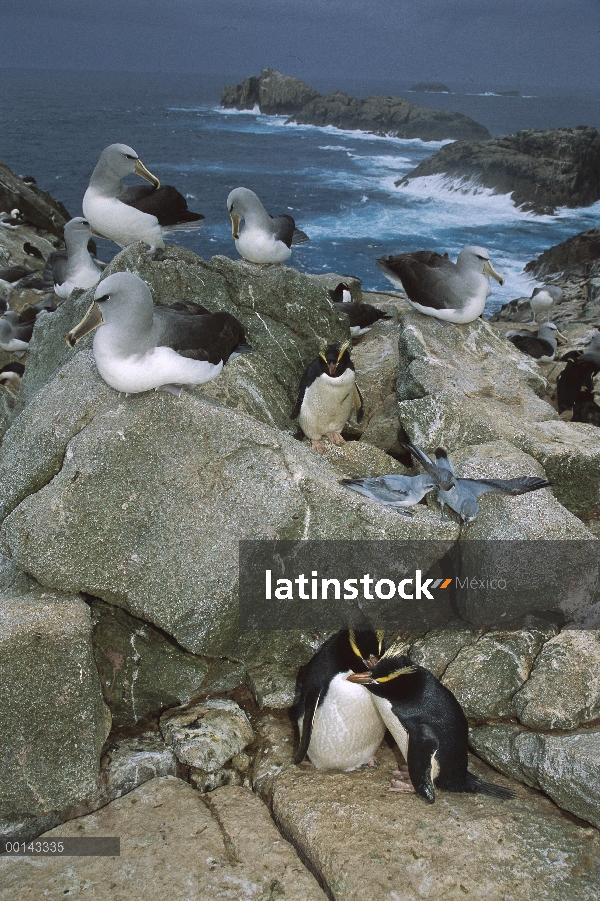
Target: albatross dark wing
<point>424,275</point>
<point>532,346</point>
<point>166,203</point>
<point>55,270</point>
<point>201,336</point>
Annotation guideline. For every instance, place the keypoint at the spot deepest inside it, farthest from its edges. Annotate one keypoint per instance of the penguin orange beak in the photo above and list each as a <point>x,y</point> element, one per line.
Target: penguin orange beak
<point>332,368</point>
<point>360,678</point>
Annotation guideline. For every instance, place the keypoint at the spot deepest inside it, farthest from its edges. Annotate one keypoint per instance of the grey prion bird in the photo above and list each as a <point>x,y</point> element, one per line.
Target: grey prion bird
<point>139,347</point>
<point>74,267</point>
<point>428,725</point>
<point>540,345</point>
<point>264,239</point>
<point>327,395</point>
<point>129,213</point>
<point>463,494</point>
<point>396,491</point>
<point>455,292</point>
<point>340,728</point>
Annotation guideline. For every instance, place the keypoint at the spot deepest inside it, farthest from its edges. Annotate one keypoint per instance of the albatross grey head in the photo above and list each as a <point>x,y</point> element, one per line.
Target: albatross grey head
<point>243,203</point>
<point>479,259</point>
<point>123,301</point>
<point>118,160</point>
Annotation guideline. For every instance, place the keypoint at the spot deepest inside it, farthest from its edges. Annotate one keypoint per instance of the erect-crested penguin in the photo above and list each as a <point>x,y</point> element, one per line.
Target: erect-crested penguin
<point>428,725</point>
<point>340,728</point>
<point>328,393</point>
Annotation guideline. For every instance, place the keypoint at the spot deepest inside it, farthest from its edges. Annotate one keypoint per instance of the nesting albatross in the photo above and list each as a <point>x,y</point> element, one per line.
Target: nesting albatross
<point>74,267</point>
<point>263,239</point>
<point>540,345</point>
<point>437,287</point>
<point>139,346</point>
<point>129,213</point>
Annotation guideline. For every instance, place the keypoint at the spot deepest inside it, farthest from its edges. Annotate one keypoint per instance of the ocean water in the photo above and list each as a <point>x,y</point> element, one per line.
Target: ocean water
<point>338,185</point>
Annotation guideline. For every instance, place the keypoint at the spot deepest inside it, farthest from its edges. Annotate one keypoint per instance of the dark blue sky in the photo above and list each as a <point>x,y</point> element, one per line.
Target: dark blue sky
<point>494,43</point>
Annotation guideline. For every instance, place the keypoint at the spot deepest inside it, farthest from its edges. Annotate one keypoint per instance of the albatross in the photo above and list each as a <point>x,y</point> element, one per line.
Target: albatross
<point>129,213</point>
<point>139,346</point>
<point>440,288</point>
<point>74,267</point>
<point>263,239</point>
<point>540,345</point>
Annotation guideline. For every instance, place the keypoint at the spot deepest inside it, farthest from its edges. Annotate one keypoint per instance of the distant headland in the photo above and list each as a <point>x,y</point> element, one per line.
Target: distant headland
<point>276,94</point>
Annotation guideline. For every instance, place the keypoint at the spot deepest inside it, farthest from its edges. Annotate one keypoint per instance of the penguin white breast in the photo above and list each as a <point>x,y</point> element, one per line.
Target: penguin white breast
<point>327,404</point>
<point>399,732</point>
<point>393,723</point>
<point>347,729</point>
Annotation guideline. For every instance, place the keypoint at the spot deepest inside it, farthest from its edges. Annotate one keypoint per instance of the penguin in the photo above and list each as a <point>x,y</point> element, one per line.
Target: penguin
<point>585,408</point>
<point>361,316</point>
<point>328,393</point>
<point>340,294</point>
<point>340,728</point>
<point>578,375</point>
<point>428,725</point>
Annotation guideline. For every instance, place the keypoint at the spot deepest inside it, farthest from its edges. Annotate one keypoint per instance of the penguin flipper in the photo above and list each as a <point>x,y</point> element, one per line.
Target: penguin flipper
<point>311,702</point>
<point>358,403</point>
<point>423,743</point>
<point>474,784</point>
<point>312,372</point>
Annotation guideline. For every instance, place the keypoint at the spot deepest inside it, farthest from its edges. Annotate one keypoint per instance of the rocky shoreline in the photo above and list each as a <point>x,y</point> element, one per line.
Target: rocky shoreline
<point>135,706</point>
<point>276,94</point>
<point>541,169</point>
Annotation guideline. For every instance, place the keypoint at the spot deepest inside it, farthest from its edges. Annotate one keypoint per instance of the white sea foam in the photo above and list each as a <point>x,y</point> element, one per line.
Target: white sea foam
<point>255,111</point>
<point>360,135</point>
<point>483,203</point>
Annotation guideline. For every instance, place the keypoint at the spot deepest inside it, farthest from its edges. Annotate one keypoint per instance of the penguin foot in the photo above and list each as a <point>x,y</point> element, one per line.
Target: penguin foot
<point>402,771</point>
<point>317,445</point>
<point>405,787</point>
<point>336,438</point>
<point>372,764</point>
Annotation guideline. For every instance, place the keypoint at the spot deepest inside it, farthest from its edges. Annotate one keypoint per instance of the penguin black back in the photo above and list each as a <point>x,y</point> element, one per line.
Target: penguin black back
<point>435,724</point>
<point>333,360</point>
<point>346,650</point>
